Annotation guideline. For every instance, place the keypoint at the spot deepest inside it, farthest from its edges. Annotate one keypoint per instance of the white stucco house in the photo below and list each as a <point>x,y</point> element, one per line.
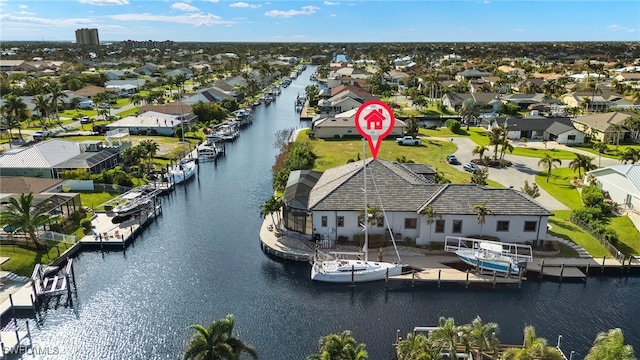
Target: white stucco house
<point>621,181</point>
<point>334,202</point>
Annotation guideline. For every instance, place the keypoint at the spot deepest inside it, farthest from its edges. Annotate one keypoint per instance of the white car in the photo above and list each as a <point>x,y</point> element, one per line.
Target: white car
<point>41,134</point>
<point>471,167</point>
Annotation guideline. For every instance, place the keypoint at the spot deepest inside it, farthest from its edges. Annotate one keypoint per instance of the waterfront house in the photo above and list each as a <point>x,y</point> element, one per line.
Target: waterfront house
<point>622,182</point>
<point>343,125</point>
<point>153,123</point>
<point>601,100</point>
<point>470,74</point>
<point>334,201</point>
<point>563,133</point>
<point>531,127</point>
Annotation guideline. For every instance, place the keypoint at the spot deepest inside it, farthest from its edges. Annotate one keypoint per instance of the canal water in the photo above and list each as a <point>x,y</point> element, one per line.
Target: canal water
<point>201,260</point>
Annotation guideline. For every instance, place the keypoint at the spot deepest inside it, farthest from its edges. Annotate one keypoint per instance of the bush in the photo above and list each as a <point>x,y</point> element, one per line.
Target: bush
<point>56,228</point>
<point>611,236</point>
<point>587,215</point>
<point>86,224</point>
<point>453,125</point>
<point>592,196</point>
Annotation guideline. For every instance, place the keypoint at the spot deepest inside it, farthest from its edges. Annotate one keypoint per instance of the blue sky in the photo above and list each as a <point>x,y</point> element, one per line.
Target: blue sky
<point>323,21</point>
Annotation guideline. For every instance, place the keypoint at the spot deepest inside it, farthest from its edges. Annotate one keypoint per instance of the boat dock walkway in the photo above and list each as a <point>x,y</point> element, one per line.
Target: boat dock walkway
<point>106,233</point>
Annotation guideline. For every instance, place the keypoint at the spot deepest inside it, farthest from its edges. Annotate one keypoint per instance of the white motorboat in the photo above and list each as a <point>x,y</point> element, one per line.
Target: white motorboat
<point>356,270</point>
<point>208,151</point>
<point>183,171</point>
<point>503,258</point>
<point>134,200</point>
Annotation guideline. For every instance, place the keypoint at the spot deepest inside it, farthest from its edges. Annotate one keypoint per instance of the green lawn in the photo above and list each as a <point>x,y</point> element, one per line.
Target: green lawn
<point>332,153</point>
<point>23,257</point>
<point>128,112</point>
<point>559,186</point>
<point>480,137</point>
<point>611,153</point>
<point>95,199</point>
<point>628,235</point>
<point>562,227</point>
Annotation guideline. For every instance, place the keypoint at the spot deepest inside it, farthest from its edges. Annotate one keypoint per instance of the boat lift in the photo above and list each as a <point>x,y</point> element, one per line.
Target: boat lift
<point>505,253</point>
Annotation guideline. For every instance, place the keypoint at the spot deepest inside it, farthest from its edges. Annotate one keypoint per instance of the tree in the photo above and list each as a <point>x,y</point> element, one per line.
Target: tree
<point>15,109</point>
<point>582,162</point>
<point>480,177</point>
<point>22,214</point>
<point>340,347</point>
<point>610,346</point>
<point>412,125</point>
<point>531,190</point>
<point>482,212</point>
<point>42,107</point>
<point>480,150</point>
<point>150,149</point>
<point>271,206</point>
<point>469,110</point>
<point>431,216</point>
<point>506,146</point>
<point>217,342</point>
<point>548,162</point>
<point>617,128</point>
<point>533,348</point>
<point>418,347</point>
<point>497,136</point>
<point>483,336</point>
<point>600,147</point>
<point>56,96</point>
<point>631,155</point>
<point>447,335</point>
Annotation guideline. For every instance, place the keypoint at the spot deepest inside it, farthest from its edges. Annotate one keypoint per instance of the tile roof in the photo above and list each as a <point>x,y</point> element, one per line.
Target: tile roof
<point>461,198</point>
<point>25,185</point>
<point>603,121</point>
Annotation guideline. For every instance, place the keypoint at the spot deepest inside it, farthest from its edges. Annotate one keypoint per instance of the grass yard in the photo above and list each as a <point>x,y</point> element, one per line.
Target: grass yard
<point>131,111</point>
<point>628,235</point>
<point>480,137</point>
<point>559,186</point>
<point>23,257</point>
<point>612,153</point>
<point>562,227</point>
<point>332,153</point>
<point>95,199</point>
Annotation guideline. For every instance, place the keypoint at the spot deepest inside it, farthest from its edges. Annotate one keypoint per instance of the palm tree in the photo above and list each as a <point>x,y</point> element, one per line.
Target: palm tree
<point>482,212</point>
<point>496,138</point>
<point>548,162</point>
<point>483,336</point>
<point>582,162</point>
<point>506,146</point>
<point>617,128</point>
<point>480,150</point>
<point>42,107</point>
<point>431,215</point>
<point>533,348</point>
<point>630,154</point>
<point>137,99</point>
<point>340,347</point>
<point>271,206</point>
<point>447,334</point>
<point>469,110</point>
<point>217,342</point>
<point>56,96</point>
<point>610,346</point>
<point>150,149</point>
<point>633,124</point>
<point>418,347</point>
<point>16,109</point>
<point>22,214</point>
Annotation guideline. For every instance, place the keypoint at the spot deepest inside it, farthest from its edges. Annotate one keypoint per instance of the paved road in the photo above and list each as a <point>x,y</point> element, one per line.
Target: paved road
<point>524,168</point>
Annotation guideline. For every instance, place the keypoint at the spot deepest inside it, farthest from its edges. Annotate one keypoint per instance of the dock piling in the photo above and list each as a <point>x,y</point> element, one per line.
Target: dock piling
<point>541,268</point>
<point>353,273</point>
<point>586,272</point>
<point>622,266</point>
<point>466,285</point>
<point>413,277</point>
<point>508,271</point>
<point>603,259</point>
<point>494,279</point>
<point>439,275</point>
<point>386,280</point>
<point>561,271</point>
<point>520,278</point>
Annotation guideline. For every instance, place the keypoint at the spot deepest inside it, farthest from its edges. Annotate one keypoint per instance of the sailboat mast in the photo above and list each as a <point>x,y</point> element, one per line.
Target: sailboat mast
<point>366,210</point>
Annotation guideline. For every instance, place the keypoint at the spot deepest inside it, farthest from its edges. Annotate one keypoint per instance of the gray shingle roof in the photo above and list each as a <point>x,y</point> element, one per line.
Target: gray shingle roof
<point>461,198</point>
<point>558,128</point>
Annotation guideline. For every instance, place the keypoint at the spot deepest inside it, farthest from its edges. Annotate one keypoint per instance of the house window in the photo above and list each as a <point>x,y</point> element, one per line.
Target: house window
<point>411,223</point>
<point>457,226</point>
<point>324,221</point>
<point>340,221</point>
<point>502,226</point>
<point>571,137</point>
<point>530,225</point>
<point>439,226</point>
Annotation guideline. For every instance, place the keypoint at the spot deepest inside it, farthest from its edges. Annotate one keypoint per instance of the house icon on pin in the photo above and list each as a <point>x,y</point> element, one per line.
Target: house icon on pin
<point>375,119</point>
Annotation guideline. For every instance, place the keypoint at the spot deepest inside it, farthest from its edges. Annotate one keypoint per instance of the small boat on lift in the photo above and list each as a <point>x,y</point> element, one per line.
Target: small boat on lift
<point>182,172</point>
<point>135,200</point>
<point>208,151</point>
<point>503,258</point>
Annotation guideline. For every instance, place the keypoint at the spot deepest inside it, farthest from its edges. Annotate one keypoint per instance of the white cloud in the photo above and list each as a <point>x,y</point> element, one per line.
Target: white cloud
<point>25,13</point>
<point>42,21</point>
<point>329,3</point>
<point>333,15</point>
<point>245,5</point>
<point>213,1</point>
<point>306,10</point>
<point>198,19</point>
<point>22,6</point>
<point>184,7</point>
<point>105,2</point>
<point>616,27</point>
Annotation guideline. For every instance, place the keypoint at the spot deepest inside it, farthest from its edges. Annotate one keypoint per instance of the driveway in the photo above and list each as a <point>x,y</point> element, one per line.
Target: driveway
<point>523,168</point>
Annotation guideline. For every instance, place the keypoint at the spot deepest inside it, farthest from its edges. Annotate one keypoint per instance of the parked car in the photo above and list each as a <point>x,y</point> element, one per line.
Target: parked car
<point>471,167</point>
<point>103,106</point>
<point>41,134</point>
<point>408,140</point>
<point>453,160</point>
<point>85,120</point>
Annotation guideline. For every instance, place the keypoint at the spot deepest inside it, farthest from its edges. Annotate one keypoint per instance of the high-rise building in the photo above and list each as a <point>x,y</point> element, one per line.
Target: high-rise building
<point>87,37</point>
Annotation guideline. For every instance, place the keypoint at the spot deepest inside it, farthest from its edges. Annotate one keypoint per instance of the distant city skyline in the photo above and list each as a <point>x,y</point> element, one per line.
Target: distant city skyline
<point>322,21</point>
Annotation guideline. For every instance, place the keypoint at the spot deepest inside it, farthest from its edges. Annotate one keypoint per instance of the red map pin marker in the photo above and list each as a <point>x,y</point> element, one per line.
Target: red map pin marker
<point>374,121</point>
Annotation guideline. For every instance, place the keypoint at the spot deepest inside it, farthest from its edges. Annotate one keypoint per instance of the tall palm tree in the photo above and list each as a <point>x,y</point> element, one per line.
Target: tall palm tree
<point>483,336</point>
<point>9,121</point>
<point>582,162</point>
<point>57,96</point>
<point>271,206</point>
<point>617,128</point>
<point>630,154</point>
<point>633,124</point>
<point>533,348</point>
<point>22,214</point>
<point>150,149</point>
<point>482,212</point>
<point>480,150</point>
<point>431,216</point>
<point>418,347</point>
<point>548,162</point>
<point>43,106</point>
<point>506,146</point>
<point>340,347</point>
<point>496,138</point>
<point>447,334</point>
<point>137,99</point>
<point>217,342</point>
<point>610,346</point>
<point>16,109</point>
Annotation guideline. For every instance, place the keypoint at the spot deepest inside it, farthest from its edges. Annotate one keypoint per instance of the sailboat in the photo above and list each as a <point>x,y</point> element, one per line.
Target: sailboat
<point>356,270</point>
<point>186,167</point>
